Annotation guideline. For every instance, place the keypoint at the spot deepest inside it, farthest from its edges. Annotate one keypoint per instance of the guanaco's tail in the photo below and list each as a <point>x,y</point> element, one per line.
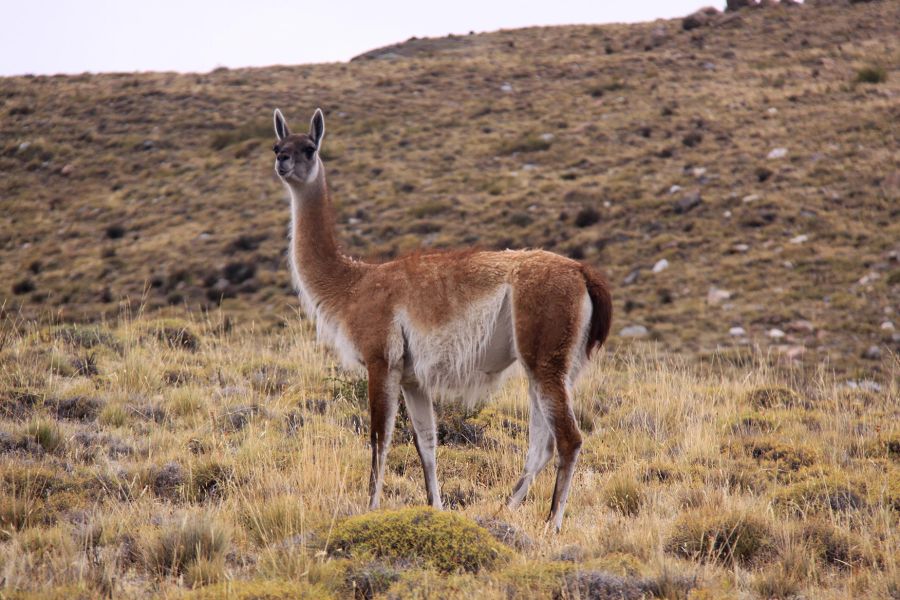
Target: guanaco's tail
<point>601,303</point>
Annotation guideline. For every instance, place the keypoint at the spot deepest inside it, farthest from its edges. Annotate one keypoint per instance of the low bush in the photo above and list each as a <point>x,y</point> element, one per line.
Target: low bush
<point>442,540</point>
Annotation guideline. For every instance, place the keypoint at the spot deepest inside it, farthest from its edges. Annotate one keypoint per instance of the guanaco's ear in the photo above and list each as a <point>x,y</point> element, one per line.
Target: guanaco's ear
<point>281,128</point>
<point>317,128</point>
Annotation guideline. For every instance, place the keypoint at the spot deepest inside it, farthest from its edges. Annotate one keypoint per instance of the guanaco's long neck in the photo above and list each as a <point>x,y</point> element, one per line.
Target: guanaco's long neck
<point>322,273</point>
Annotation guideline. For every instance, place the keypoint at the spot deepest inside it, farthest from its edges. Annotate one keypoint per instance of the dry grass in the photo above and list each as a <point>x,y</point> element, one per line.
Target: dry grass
<point>157,491</point>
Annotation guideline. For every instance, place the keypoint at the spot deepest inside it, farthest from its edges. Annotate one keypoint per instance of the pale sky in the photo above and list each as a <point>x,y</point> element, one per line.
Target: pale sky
<point>75,36</point>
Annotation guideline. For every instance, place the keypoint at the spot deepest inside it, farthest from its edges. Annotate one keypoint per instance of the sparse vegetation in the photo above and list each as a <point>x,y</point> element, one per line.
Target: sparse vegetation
<point>231,483</point>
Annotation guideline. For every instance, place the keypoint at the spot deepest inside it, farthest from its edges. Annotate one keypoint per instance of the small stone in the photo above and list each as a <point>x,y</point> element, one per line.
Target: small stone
<point>737,332</point>
<point>872,353</point>
<point>772,111</point>
<point>716,296</point>
<point>699,172</point>
<point>688,203</point>
<point>775,333</point>
<point>634,331</point>
<point>674,189</point>
<point>67,170</point>
<point>547,137</point>
<point>631,277</point>
<point>801,326</point>
<point>750,198</point>
<point>23,147</point>
<point>869,278</point>
<point>506,88</point>
<point>778,153</point>
<point>799,239</point>
<point>887,326</point>
<point>742,248</point>
<point>661,265</point>
<point>794,352</point>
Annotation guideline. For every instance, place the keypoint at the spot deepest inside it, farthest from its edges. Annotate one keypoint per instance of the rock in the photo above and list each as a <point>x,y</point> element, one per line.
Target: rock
<point>573,553</point>
<point>869,278</point>
<point>688,203</point>
<point>801,326</point>
<point>872,353</point>
<point>733,5</point>
<point>67,170</point>
<point>506,88</point>
<point>661,265</point>
<point>700,18</point>
<point>887,326</point>
<point>674,189</point>
<point>507,534</point>
<point>634,331</point>
<point>775,333</point>
<point>23,147</point>
<point>741,248</point>
<point>799,239</point>
<point>794,352</point>
<point>864,384</point>
<point>737,332</point>
<point>631,277</point>
<point>777,153</point>
<point>750,198</point>
<point>716,296</point>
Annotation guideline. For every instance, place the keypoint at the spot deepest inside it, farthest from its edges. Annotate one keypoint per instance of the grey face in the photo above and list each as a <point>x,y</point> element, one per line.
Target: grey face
<point>295,157</point>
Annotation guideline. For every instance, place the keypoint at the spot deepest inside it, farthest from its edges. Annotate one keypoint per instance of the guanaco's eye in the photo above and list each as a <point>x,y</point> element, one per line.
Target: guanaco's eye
<point>275,148</point>
<point>309,152</point>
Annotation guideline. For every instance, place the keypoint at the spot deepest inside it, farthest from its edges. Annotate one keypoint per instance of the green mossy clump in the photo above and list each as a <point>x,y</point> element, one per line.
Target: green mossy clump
<point>86,336</point>
<point>773,396</point>
<point>871,74</point>
<point>442,540</point>
<point>711,536</point>
<point>257,590</point>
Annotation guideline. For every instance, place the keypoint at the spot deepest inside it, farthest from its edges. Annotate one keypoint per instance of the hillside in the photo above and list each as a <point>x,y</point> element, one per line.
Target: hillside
<point>622,145</point>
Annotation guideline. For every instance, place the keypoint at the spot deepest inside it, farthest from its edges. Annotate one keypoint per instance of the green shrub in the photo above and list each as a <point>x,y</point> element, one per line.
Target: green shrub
<point>46,434</point>
<point>442,540</point>
<point>721,537</point>
<point>871,74</point>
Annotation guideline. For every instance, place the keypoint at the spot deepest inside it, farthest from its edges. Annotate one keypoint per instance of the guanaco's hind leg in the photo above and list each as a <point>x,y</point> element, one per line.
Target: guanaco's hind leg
<point>421,414</point>
<point>540,448</point>
<point>383,402</point>
<point>568,446</point>
<point>551,313</point>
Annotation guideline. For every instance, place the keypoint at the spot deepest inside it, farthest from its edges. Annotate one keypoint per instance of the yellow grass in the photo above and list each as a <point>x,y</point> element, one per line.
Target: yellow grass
<point>258,449</point>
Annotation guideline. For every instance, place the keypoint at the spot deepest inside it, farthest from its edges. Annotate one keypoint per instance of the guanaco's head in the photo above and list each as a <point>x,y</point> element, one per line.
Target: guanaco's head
<point>297,154</point>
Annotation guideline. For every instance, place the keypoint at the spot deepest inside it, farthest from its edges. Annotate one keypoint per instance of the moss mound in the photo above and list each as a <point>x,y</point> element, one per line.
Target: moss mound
<point>829,493</point>
<point>442,540</point>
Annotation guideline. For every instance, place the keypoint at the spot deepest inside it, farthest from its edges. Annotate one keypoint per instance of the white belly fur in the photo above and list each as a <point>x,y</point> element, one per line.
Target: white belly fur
<point>466,358</point>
